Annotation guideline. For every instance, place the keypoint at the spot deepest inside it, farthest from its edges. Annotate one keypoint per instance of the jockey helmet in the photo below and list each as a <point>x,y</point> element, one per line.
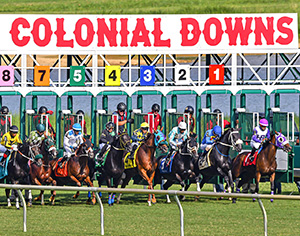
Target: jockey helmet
<point>80,112</point>
<point>40,128</point>
<point>110,125</point>
<point>182,125</point>
<point>189,109</point>
<point>217,130</point>
<point>155,107</point>
<point>43,109</point>
<point>217,111</point>
<point>4,110</point>
<point>144,125</point>
<point>13,129</point>
<point>77,127</point>
<point>121,106</point>
<point>264,122</point>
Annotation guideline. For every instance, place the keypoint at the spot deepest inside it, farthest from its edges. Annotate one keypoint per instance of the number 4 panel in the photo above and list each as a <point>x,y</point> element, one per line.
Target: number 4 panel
<point>7,76</point>
<point>112,76</point>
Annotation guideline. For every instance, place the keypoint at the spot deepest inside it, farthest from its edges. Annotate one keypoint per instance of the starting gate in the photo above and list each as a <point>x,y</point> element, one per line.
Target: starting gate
<point>174,118</point>
<point>140,117</point>
<point>210,119</point>
<point>34,119</point>
<point>103,118</point>
<point>5,123</point>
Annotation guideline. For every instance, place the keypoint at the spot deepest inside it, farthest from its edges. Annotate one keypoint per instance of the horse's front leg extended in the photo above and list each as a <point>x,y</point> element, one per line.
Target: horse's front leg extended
<point>257,179</point>
<point>90,184</point>
<point>179,178</point>
<point>272,182</point>
<point>78,184</point>
<point>7,192</point>
<point>151,181</point>
<point>144,174</point>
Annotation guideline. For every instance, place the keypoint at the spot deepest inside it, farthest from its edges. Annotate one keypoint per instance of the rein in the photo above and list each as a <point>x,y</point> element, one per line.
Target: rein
<point>30,159</point>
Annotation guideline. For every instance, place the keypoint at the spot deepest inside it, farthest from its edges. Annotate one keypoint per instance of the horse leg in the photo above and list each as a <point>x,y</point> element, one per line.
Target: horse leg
<point>29,194</point>
<point>90,184</point>
<point>53,193</point>
<point>257,179</point>
<point>7,192</point>
<point>41,196</point>
<point>108,181</point>
<point>143,173</point>
<point>165,186</point>
<point>125,182</point>
<point>179,178</point>
<point>272,182</point>
<point>151,181</point>
<point>78,184</point>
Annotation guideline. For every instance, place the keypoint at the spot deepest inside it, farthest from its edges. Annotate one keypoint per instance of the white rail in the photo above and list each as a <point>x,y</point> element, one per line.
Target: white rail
<point>146,192</point>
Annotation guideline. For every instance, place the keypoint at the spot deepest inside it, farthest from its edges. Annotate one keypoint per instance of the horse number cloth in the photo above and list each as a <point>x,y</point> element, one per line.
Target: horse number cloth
<point>166,167</point>
<point>61,172</point>
<point>247,161</point>
<point>206,161</point>
<point>102,162</point>
<point>130,163</point>
<point>3,169</point>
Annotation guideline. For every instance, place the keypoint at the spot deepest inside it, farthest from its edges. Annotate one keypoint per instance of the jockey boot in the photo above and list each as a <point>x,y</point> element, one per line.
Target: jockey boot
<point>168,158</point>
<point>5,155</point>
<point>251,157</point>
<point>103,150</point>
<point>62,161</point>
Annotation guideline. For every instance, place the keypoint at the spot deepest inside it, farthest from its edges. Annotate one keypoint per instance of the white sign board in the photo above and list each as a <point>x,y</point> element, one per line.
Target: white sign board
<point>123,34</point>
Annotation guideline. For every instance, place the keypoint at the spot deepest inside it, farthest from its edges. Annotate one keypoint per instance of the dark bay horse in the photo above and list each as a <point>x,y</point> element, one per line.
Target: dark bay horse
<point>220,160</point>
<point>41,174</point>
<point>77,168</point>
<point>181,167</point>
<point>18,171</point>
<point>114,165</point>
<point>265,163</point>
<point>146,162</point>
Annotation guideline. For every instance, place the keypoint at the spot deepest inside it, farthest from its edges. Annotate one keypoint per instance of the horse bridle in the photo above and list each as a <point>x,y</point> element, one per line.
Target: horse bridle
<point>233,144</point>
<point>190,149</point>
<point>122,143</point>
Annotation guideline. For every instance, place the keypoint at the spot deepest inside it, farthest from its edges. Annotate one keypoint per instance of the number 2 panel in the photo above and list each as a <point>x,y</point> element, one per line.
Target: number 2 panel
<point>182,75</point>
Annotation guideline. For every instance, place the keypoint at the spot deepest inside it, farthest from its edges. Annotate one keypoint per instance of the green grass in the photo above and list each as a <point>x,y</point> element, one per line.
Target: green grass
<point>149,7</point>
<point>133,217</point>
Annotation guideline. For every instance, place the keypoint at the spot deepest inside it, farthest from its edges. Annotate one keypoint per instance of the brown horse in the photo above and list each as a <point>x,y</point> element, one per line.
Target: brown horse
<point>77,168</point>
<point>265,163</point>
<point>146,162</point>
<point>41,173</point>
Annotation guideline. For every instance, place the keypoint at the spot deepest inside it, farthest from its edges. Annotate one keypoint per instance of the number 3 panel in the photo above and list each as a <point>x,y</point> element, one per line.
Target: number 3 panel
<point>7,76</point>
<point>182,75</point>
<point>147,75</point>
<point>41,75</point>
<point>112,76</point>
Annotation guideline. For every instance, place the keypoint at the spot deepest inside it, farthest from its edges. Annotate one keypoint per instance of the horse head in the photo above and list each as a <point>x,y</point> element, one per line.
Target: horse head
<point>86,148</point>
<point>234,138</point>
<point>125,141</point>
<point>160,141</point>
<point>193,146</point>
<point>282,142</point>
<point>49,147</point>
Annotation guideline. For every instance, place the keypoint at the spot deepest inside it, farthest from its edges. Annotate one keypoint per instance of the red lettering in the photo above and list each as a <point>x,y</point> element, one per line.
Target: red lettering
<point>281,40</point>
<point>124,32</point>
<point>15,32</point>
<point>185,22</point>
<point>157,35</point>
<point>260,29</point>
<point>238,30</point>
<point>60,33</point>
<point>36,32</point>
<point>111,34</point>
<point>207,30</point>
<point>140,34</point>
<point>78,32</point>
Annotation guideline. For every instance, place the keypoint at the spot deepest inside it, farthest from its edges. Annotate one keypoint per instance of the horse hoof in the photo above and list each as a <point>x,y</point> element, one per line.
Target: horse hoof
<point>8,205</point>
<point>75,196</point>
<point>233,200</point>
<point>118,202</point>
<point>253,199</point>
<point>220,198</point>
<point>149,203</point>
<point>37,199</point>
<point>271,200</point>
<point>29,204</point>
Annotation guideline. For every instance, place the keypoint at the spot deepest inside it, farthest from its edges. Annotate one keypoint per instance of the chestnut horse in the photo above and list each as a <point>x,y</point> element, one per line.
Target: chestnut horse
<point>265,163</point>
<point>146,162</point>
<point>41,173</point>
<point>77,167</point>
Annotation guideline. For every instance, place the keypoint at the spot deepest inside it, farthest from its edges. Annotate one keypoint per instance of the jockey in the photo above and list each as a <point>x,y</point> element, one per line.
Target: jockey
<point>209,138</point>
<point>106,138</point>
<point>37,136</point>
<point>157,118</point>
<point>139,135</point>
<point>189,110</point>
<point>176,137</point>
<point>81,112</point>
<point>4,111</point>
<point>261,133</point>
<point>73,138</point>
<point>43,111</point>
<point>122,116</point>
<point>9,142</point>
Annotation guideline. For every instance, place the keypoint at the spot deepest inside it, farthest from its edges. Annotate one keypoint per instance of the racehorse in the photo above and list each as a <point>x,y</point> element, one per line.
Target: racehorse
<point>265,162</point>
<point>77,168</point>
<point>220,162</point>
<point>114,165</point>
<point>18,171</point>
<point>181,167</point>
<point>41,174</point>
<point>146,162</point>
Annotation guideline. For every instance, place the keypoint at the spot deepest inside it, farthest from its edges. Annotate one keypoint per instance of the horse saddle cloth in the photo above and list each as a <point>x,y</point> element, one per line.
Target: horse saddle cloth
<point>3,168</point>
<point>204,161</point>
<point>130,162</point>
<point>165,166</point>
<point>61,172</point>
<point>100,160</point>
<point>248,162</point>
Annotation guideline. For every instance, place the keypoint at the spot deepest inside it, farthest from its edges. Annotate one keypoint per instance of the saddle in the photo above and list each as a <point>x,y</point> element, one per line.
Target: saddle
<point>130,162</point>
<point>204,162</point>
<point>247,161</point>
<point>61,172</point>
